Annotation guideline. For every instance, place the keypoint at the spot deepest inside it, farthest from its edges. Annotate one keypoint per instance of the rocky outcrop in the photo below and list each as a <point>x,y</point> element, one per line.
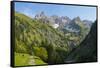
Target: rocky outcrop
<point>87,50</point>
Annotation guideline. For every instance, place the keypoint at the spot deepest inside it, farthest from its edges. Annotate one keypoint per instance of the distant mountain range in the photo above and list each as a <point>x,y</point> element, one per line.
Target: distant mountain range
<point>88,23</point>
<point>64,22</point>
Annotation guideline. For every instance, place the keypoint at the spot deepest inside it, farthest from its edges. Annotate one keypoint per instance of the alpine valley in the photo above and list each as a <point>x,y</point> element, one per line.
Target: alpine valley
<point>44,40</point>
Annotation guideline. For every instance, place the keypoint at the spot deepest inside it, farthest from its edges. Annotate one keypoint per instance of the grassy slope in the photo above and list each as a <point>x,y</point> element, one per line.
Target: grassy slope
<point>22,59</point>
<point>38,39</point>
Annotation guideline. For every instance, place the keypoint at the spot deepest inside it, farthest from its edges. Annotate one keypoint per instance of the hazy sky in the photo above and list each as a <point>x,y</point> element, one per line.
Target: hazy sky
<point>31,9</point>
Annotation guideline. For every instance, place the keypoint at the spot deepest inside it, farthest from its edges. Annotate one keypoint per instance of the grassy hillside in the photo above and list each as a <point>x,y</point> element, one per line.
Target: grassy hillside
<point>38,39</point>
<point>22,59</point>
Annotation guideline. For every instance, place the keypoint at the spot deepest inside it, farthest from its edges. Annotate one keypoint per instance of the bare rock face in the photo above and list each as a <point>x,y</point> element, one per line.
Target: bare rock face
<point>40,15</point>
<point>88,23</point>
<point>64,22</point>
<point>53,20</point>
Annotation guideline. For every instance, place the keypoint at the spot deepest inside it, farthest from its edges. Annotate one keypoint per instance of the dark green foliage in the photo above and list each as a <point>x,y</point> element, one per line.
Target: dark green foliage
<point>40,52</point>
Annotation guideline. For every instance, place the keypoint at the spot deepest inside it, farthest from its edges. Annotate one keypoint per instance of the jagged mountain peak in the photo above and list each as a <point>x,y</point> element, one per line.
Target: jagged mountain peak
<point>77,18</point>
<point>88,23</point>
<point>64,17</point>
<point>54,19</point>
<point>40,15</point>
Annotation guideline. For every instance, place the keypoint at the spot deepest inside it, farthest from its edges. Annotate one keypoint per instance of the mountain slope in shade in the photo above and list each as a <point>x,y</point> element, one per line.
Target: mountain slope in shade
<point>87,51</point>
